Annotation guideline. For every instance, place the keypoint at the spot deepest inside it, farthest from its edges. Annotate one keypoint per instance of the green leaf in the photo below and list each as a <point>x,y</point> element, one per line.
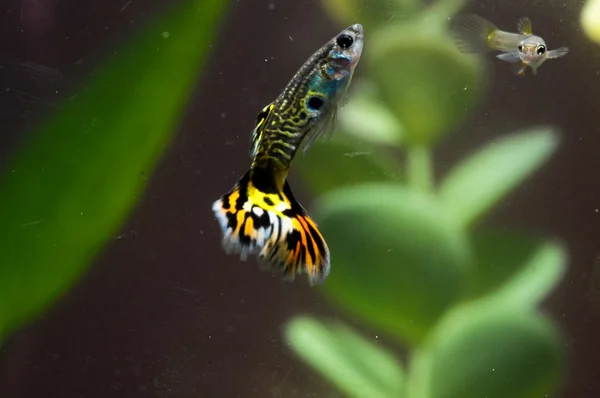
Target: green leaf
<point>516,269</point>
<point>370,13</point>
<point>488,350</point>
<point>67,192</point>
<point>424,80</point>
<point>354,365</point>
<point>438,15</point>
<point>398,261</point>
<point>366,118</point>
<point>481,181</point>
<point>336,163</point>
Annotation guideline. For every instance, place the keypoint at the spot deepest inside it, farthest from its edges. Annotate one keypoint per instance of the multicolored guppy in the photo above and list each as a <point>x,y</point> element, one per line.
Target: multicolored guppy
<point>260,216</point>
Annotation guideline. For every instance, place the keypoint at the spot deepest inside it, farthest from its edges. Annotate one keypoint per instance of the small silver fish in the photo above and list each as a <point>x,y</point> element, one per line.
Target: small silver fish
<point>474,34</point>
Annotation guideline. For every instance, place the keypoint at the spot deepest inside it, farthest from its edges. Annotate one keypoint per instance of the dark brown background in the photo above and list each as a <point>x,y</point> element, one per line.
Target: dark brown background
<point>163,312</point>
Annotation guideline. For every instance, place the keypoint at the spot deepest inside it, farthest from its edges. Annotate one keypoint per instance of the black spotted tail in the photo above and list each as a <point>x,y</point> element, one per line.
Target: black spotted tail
<point>275,228</point>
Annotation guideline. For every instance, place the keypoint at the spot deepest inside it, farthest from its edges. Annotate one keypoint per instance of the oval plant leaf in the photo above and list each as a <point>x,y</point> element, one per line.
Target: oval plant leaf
<point>341,162</point>
<point>485,350</point>
<point>370,13</point>
<point>424,80</point>
<point>366,118</point>
<point>354,365</point>
<point>478,183</point>
<point>516,268</point>
<point>398,262</point>
<point>67,192</point>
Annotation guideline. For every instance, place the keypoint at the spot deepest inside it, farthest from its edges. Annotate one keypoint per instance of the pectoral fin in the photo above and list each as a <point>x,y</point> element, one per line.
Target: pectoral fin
<point>509,57</point>
<point>557,53</point>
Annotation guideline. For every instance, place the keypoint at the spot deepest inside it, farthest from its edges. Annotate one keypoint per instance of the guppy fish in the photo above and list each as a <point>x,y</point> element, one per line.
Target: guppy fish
<point>474,34</point>
<point>260,215</point>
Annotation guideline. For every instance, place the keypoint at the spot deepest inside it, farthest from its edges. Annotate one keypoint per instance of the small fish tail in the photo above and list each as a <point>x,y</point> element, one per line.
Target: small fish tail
<point>472,33</point>
<point>273,226</point>
<point>240,236</point>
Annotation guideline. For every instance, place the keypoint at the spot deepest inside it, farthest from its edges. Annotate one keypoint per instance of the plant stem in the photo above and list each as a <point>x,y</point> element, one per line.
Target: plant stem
<point>419,168</point>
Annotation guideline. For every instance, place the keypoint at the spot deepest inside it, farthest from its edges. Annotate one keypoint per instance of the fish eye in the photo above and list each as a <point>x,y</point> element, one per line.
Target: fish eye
<point>315,103</point>
<point>541,49</point>
<point>345,41</point>
<point>520,47</point>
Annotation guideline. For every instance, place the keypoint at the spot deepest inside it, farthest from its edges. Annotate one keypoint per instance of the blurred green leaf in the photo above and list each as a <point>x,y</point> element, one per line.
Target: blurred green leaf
<point>436,17</point>
<point>370,13</point>
<point>336,163</point>
<point>424,80</point>
<point>516,269</point>
<point>356,366</point>
<point>479,182</point>
<point>67,192</point>
<point>398,261</point>
<point>366,118</point>
<point>485,350</point>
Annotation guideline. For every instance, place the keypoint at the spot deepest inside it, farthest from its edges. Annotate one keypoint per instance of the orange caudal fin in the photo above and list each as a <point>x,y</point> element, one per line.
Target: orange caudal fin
<point>301,249</point>
<point>274,227</point>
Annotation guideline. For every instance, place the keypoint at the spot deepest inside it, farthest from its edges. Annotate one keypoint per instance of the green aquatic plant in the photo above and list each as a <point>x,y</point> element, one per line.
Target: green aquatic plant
<point>68,190</point>
<point>410,258</point>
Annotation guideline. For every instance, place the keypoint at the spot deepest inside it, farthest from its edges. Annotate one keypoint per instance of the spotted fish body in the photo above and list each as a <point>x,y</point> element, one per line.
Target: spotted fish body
<point>260,215</point>
<point>474,34</point>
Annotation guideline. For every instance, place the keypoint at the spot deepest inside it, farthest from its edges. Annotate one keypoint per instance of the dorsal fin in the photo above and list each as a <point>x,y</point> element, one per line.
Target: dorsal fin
<point>258,128</point>
<point>524,26</point>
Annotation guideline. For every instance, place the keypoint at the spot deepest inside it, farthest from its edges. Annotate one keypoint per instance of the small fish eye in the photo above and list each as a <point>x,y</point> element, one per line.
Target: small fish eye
<point>541,49</point>
<point>520,47</point>
<point>315,103</point>
<point>345,41</point>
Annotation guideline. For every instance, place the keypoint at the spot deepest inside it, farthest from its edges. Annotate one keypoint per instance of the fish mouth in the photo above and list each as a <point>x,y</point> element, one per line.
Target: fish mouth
<point>359,39</point>
<point>357,29</point>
